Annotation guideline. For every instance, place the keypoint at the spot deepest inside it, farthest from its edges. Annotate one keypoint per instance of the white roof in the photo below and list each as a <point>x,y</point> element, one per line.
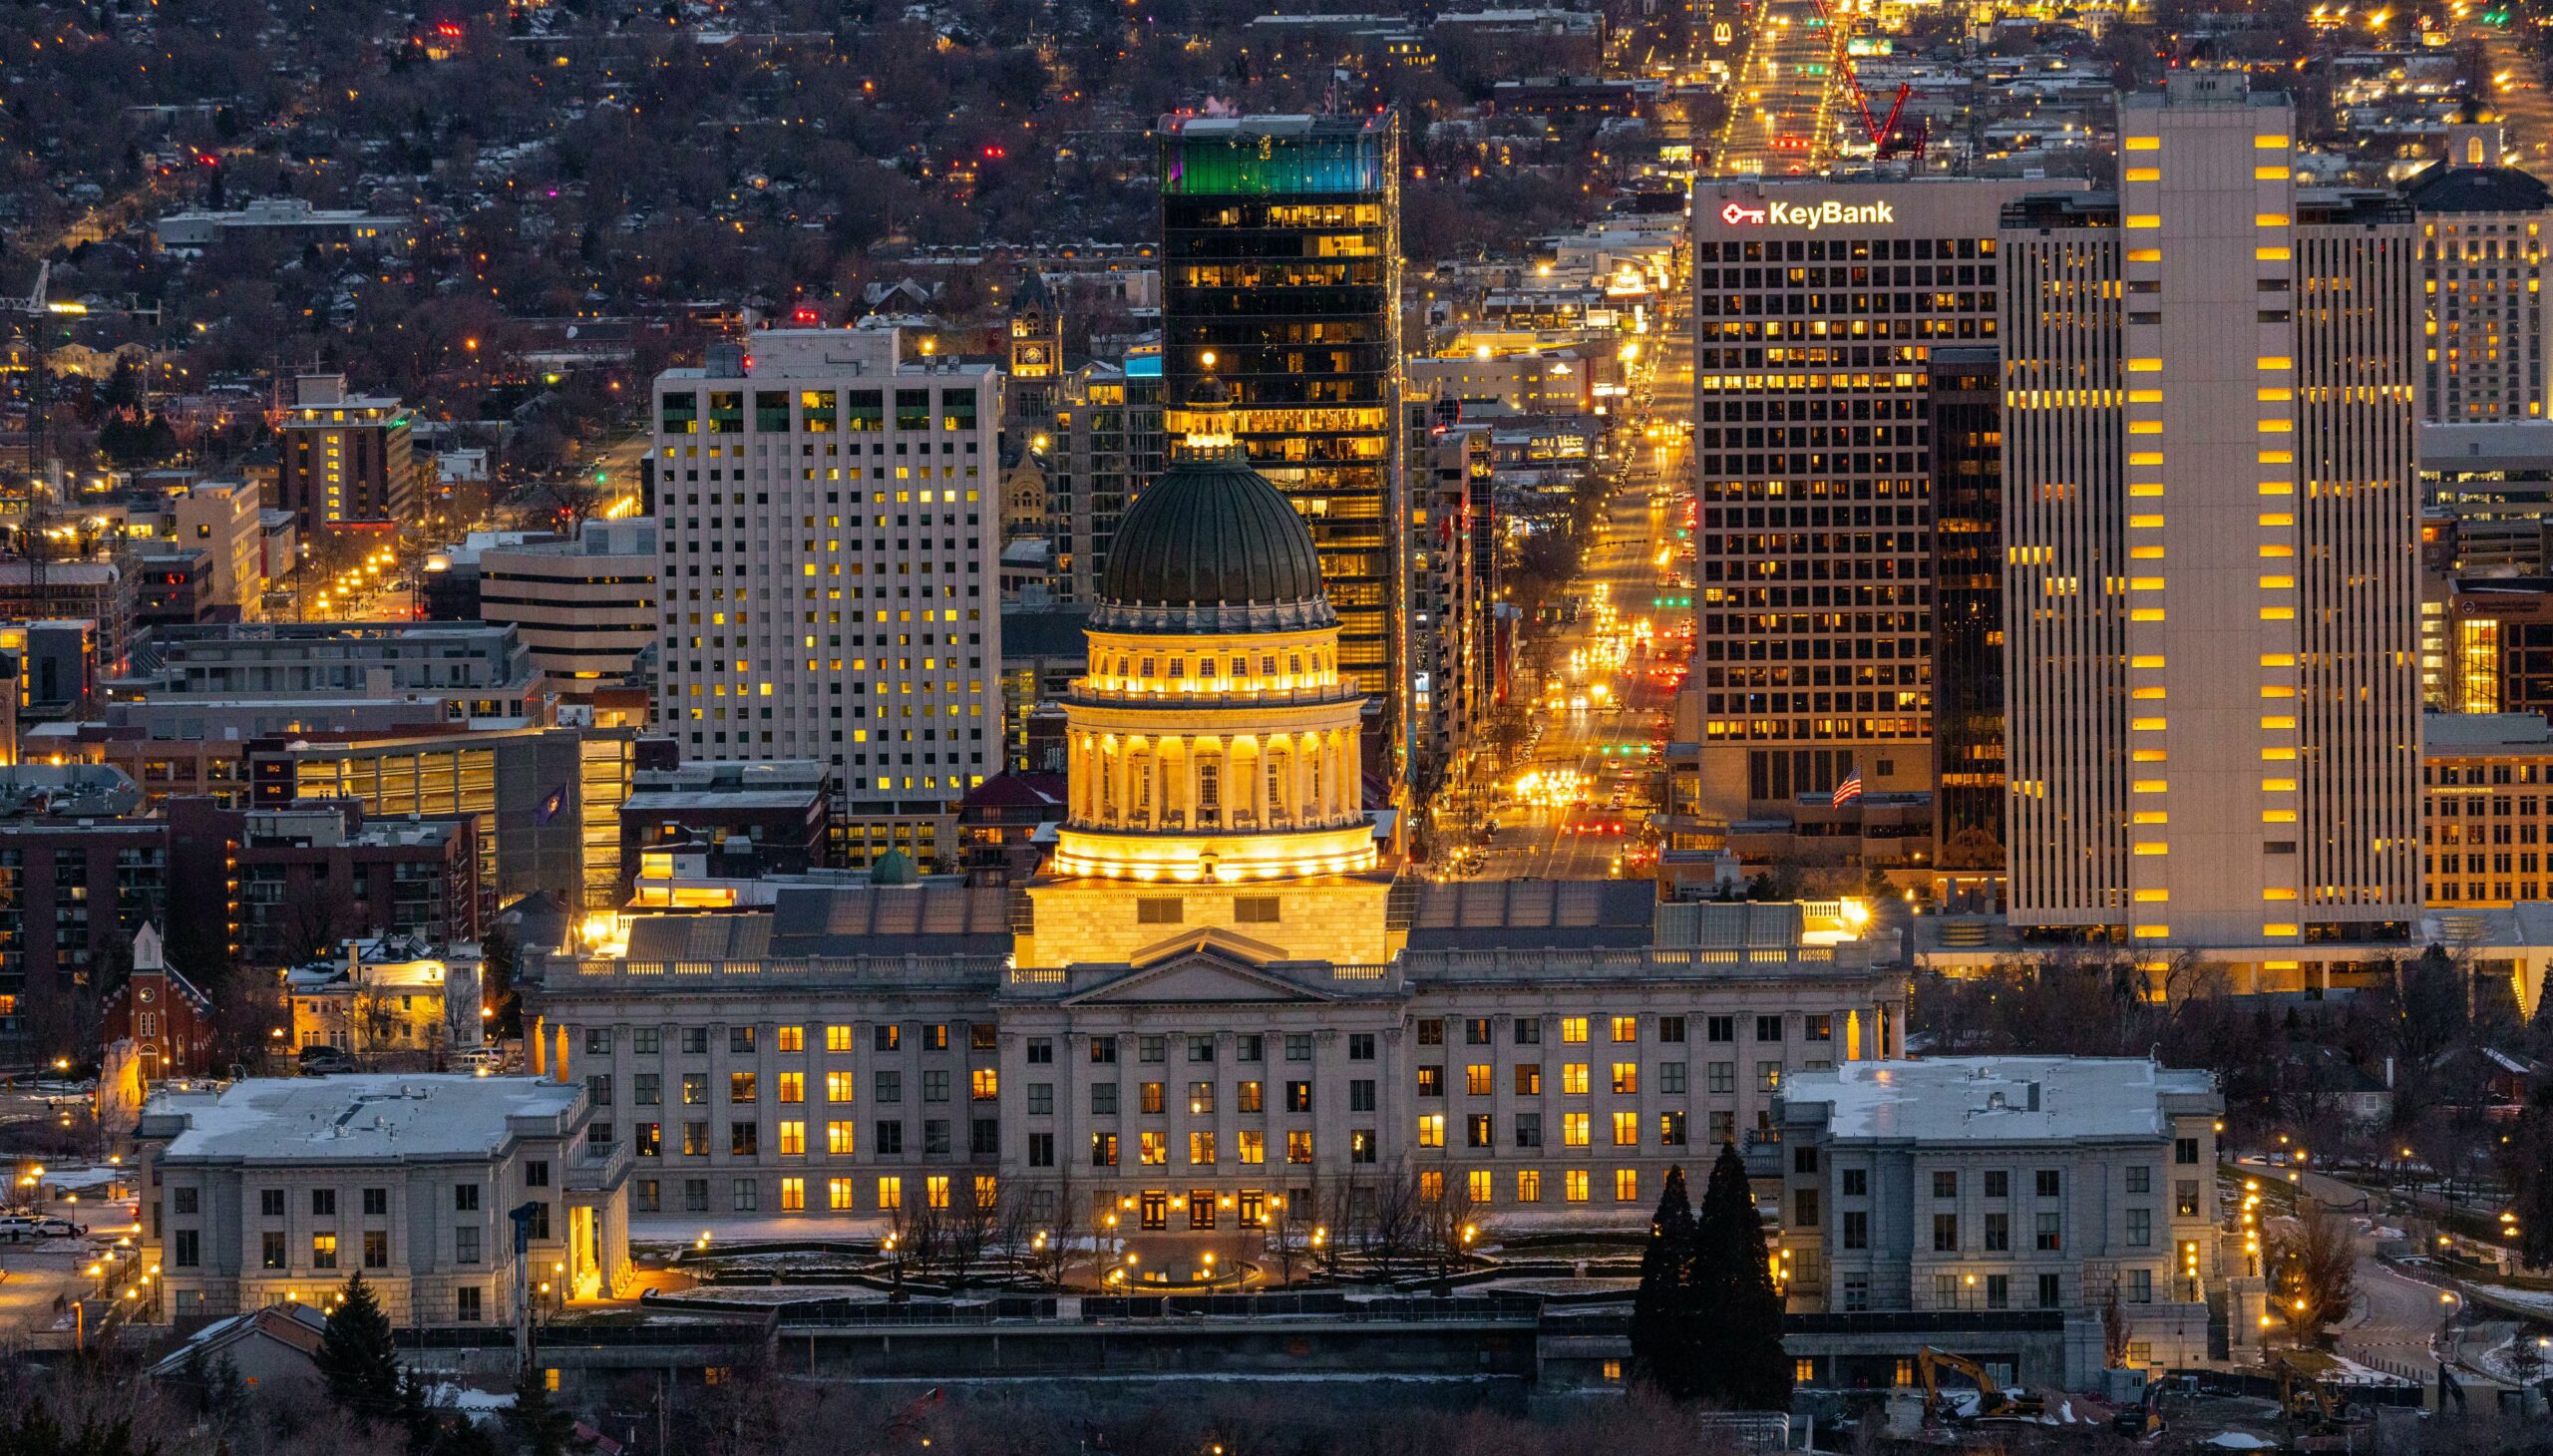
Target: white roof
<point>292,1120</point>
<point>1980,1099</point>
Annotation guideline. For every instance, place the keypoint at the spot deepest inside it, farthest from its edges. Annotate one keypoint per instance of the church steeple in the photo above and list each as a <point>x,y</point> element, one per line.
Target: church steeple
<point>1036,331</point>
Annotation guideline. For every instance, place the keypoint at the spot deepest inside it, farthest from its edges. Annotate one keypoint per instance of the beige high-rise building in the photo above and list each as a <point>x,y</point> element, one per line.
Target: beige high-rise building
<point>829,525</point>
<point>2210,526</point>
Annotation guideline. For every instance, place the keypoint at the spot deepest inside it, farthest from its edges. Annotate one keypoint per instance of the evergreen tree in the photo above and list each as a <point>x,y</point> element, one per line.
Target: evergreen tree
<point>359,1359</point>
<point>1661,1352</point>
<point>540,1425</point>
<point>2527,1156</point>
<point>1734,1313</point>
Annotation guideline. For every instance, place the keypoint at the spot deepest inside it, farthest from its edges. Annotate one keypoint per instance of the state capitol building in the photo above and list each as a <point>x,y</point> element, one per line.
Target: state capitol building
<point>1217,1000</point>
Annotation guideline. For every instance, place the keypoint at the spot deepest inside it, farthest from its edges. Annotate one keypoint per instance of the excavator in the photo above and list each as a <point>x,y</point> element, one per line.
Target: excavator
<point>1992,1402</point>
<point>2302,1397</point>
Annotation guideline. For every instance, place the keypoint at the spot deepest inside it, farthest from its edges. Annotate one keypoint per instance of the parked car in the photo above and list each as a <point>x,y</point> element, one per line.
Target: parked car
<point>321,1061</point>
<point>20,1227</point>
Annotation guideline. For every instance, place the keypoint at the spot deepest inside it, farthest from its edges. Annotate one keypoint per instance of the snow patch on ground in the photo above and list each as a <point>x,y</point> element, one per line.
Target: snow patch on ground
<point>2508,1361</point>
<point>2540,1301</point>
<point>2351,1373</point>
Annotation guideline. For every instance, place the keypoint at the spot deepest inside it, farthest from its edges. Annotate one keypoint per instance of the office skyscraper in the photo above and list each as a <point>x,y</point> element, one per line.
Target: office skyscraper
<point>828,532</point>
<point>1816,309</point>
<point>1280,277</point>
<point>1964,411</point>
<point>2210,513</point>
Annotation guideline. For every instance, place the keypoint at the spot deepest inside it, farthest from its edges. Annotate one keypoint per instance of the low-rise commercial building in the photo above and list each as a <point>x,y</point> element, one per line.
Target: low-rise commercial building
<point>292,222</point>
<point>2486,781</point>
<point>179,747</point>
<point>276,1191</point>
<point>547,799</point>
<point>476,670</point>
<point>745,819</point>
<point>290,883</point>
<point>585,608</point>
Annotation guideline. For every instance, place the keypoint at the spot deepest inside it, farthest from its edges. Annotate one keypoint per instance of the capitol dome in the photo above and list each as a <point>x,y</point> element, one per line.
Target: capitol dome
<point>1211,547</point>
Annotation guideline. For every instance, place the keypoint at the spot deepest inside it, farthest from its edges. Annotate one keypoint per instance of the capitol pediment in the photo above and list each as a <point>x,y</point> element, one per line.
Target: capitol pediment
<point>1202,966</point>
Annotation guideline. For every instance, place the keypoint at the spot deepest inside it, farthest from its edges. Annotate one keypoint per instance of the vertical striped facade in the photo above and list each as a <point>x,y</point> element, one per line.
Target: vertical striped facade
<point>2064,614</point>
<point>2210,525</point>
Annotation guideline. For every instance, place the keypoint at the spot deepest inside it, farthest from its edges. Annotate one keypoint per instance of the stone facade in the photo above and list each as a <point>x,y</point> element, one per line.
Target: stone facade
<point>1521,1080</point>
<point>1987,1185</point>
<point>277,1190</point>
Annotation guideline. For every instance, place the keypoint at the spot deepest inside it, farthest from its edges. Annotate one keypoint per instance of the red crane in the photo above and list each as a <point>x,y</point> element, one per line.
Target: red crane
<point>1885,137</point>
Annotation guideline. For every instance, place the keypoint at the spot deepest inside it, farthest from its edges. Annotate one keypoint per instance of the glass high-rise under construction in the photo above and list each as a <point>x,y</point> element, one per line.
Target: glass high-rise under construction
<point>1280,279</point>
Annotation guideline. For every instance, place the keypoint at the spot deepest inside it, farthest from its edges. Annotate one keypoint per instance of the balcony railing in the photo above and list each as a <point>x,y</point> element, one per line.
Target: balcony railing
<point>597,1170</point>
<point>1170,695</point>
<point>905,970</point>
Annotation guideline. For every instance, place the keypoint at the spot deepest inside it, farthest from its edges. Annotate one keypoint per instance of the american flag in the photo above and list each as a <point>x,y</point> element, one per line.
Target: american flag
<point>1849,790</point>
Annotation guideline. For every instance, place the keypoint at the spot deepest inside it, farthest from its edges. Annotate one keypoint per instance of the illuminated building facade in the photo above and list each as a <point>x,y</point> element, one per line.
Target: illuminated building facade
<point>2482,276</point>
<point>1104,444</point>
<point>1281,260</point>
<point>2211,527</point>
<point>2486,780</point>
<point>344,460</point>
<point>829,531</point>
<point>1214,1012</point>
<point>545,800</point>
<point>1816,310</point>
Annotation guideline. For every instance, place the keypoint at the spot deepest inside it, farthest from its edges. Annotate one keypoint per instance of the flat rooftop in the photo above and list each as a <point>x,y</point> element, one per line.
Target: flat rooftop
<point>291,1119</point>
<point>2450,732</point>
<point>1998,1099</point>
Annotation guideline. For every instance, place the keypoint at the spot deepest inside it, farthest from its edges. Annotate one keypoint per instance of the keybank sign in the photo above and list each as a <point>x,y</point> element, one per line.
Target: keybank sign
<point>1808,216</point>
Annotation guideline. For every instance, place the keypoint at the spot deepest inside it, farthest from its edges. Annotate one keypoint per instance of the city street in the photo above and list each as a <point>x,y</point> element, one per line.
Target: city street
<point>2396,1318</point>
<point>1614,670</point>
<point>1781,106</point>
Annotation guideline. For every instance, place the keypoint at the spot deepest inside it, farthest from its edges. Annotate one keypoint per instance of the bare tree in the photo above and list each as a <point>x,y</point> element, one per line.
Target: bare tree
<point>1285,1238</point>
<point>2312,1267</point>
<point>1338,1219</point>
<point>970,1229</point>
<point>1399,1221</point>
<point>917,1238</point>
<point>2113,1329</point>
<point>1452,1224</point>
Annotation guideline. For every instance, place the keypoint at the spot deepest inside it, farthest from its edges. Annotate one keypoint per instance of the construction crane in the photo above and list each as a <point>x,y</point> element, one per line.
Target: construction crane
<point>34,305</point>
<point>1886,138</point>
<point>1991,1399</point>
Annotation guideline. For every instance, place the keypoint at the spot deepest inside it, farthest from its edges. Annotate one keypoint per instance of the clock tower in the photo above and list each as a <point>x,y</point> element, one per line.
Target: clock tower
<point>1036,353</point>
